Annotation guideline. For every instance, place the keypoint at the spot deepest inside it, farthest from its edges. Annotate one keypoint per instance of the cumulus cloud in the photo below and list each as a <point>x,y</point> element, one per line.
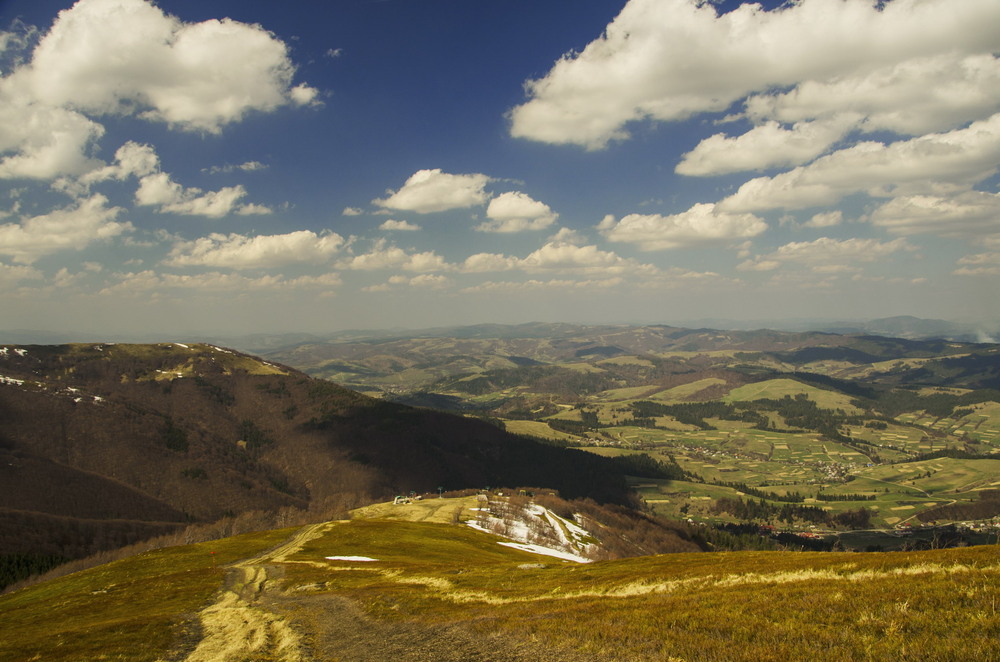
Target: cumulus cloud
<point>827,255</point>
<point>980,264</point>
<point>968,213</point>
<point>667,60</point>
<point>399,226</point>
<point>951,160</point>
<point>516,212</point>
<point>556,255</point>
<point>158,189</point>
<point>701,224</point>
<point>126,57</point>
<point>423,281</point>
<point>766,146</point>
<point>88,221</point>
<point>385,256</point>
<point>236,251</point>
<point>825,219</point>
<point>146,283</point>
<point>428,191</point>
<point>912,97</point>
<point>43,142</point>
<point>11,275</point>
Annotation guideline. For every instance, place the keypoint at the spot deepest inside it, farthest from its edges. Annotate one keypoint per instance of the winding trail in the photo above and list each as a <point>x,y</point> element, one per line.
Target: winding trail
<point>236,627</point>
<point>251,620</point>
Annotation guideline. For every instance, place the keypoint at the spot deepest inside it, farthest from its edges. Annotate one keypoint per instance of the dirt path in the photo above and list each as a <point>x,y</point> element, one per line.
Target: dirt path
<point>236,627</point>
<point>251,621</point>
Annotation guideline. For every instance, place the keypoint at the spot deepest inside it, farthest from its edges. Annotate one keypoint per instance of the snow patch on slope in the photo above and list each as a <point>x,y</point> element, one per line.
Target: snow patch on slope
<point>534,528</point>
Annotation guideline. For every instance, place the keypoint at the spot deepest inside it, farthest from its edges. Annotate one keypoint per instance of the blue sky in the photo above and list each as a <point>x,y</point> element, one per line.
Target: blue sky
<point>251,166</point>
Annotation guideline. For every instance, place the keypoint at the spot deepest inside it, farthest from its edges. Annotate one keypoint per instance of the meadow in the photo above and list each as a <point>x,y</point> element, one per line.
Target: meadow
<point>431,575</point>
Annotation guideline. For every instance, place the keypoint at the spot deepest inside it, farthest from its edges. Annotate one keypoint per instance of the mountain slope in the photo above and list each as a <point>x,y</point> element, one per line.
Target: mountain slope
<point>161,435</point>
<point>378,589</point>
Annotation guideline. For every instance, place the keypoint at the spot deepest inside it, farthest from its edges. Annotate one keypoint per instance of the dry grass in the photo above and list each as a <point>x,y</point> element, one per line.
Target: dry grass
<point>939,605</point>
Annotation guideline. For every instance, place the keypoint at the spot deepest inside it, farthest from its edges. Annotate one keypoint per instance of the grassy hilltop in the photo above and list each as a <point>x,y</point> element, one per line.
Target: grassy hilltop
<point>412,583</point>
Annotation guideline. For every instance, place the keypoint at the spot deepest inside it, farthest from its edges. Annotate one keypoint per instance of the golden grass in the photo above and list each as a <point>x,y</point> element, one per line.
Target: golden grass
<point>739,606</point>
<point>132,609</point>
<point>726,606</point>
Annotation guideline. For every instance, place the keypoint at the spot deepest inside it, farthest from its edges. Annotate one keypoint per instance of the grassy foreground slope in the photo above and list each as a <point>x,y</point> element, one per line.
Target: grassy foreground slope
<point>435,588</point>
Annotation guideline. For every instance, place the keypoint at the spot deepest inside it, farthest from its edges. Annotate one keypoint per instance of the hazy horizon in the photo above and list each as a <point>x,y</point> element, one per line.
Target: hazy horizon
<point>230,168</point>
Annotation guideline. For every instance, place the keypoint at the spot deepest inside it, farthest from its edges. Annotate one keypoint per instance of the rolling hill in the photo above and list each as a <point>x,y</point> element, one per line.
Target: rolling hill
<point>105,444</point>
<point>839,423</point>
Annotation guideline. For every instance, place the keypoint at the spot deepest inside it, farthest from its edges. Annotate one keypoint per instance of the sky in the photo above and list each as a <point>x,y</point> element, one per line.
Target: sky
<point>248,166</point>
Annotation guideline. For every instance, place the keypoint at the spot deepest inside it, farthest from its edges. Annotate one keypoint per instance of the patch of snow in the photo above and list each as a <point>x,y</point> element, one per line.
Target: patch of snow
<point>11,381</point>
<point>537,549</point>
<point>350,558</point>
<point>98,398</point>
<point>219,349</point>
<point>522,533</point>
<point>21,352</point>
<point>72,390</point>
<point>182,345</point>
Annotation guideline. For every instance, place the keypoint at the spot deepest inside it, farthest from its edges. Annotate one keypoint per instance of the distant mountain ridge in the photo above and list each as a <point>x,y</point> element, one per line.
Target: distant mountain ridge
<point>427,360</point>
<point>901,326</point>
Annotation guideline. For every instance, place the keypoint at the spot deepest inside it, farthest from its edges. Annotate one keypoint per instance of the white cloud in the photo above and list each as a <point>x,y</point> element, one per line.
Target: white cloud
<point>980,264</point>
<point>145,283</point>
<point>10,275</point>
<point>701,224</point>
<point>161,191</point>
<point>158,189</point>
<point>43,142</point>
<point>913,97</point>
<point>826,255</point>
<point>825,219</point>
<point>560,256</point>
<point>429,191</point>
<point>248,166</point>
<point>423,281</point>
<point>352,211</point>
<point>766,146</point>
<point>384,256</point>
<point>669,59</point>
<point>399,226</point>
<point>487,262</point>
<point>127,56</point>
<point>968,213</point>
<point>76,227</point>
<point>951,161</point>
<point>534,285</point>
<point>304,95</point>
<point>517,212</point>
<point>236,251</point>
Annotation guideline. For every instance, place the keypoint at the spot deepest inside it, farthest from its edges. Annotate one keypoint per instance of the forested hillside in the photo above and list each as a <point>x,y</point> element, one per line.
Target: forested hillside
<point>102,445</point>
